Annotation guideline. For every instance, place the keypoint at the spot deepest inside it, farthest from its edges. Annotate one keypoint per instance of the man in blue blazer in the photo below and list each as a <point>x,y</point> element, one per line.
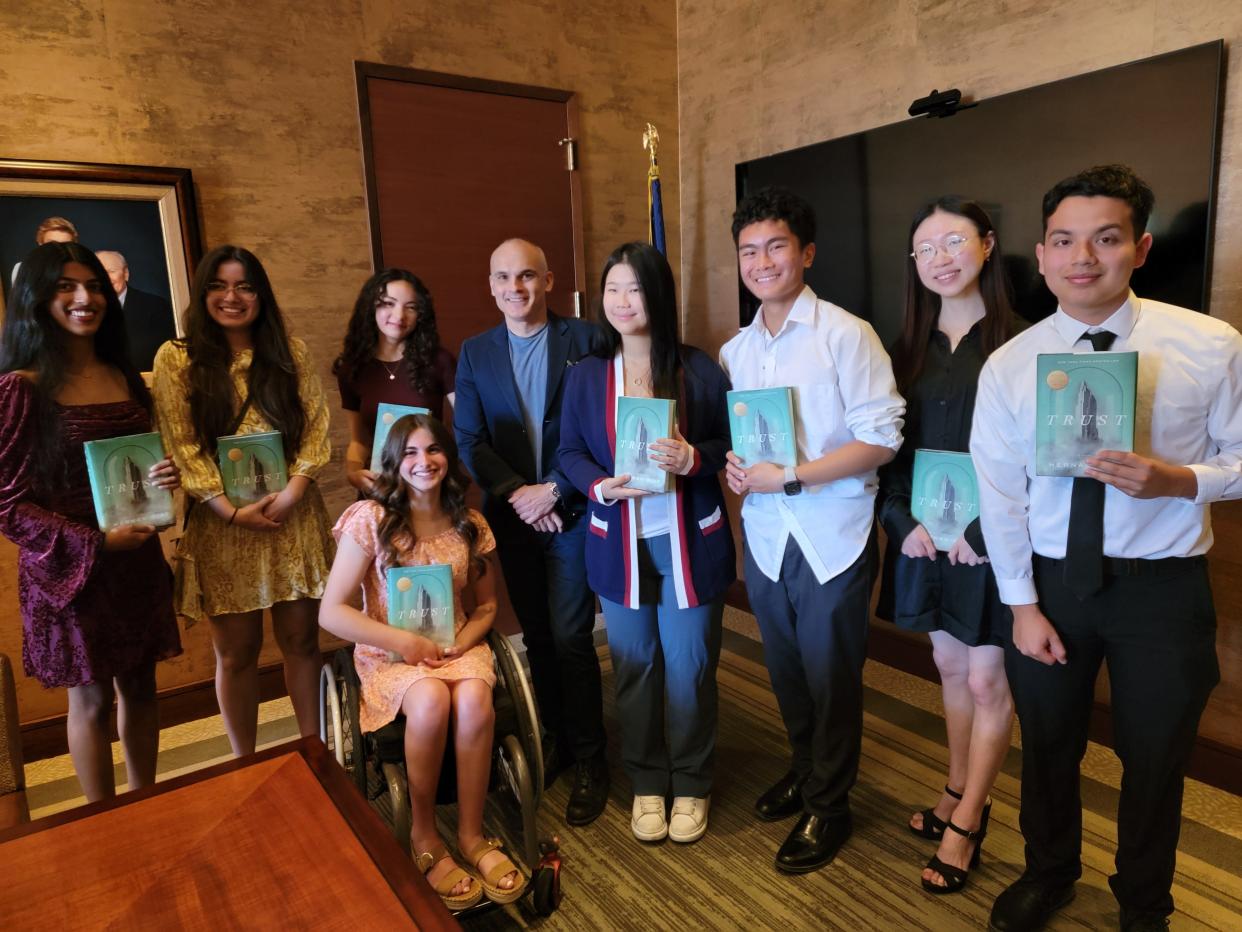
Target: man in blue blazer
<point>507,418</point>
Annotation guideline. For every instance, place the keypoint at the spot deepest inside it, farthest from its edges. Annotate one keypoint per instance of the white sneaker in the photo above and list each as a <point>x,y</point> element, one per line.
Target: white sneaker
<point>689,818</point>
<point>647,821</point>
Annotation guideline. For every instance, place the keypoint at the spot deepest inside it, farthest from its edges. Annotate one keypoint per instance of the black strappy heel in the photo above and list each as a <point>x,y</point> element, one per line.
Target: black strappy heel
<point>933,825</point>
<point>954,877</point>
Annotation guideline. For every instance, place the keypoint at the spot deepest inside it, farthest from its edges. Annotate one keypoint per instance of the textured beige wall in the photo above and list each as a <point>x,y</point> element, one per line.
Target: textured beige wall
<point>259,100</point>
<point>758,78</point>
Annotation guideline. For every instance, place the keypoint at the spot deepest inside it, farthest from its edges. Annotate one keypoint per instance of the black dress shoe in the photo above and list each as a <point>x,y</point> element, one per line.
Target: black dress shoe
<point>1146,923</point>
<point>590,793</point>
<point>782,799</point>
<point>814,842</point>
<point>1028,904</point>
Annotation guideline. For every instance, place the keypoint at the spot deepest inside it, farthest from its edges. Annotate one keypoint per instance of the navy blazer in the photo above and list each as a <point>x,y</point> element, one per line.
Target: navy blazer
<point>487,416</point>
<point>699,537</point>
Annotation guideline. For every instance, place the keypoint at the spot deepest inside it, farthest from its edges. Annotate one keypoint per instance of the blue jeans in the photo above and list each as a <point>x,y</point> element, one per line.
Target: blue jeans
<point>665,659</point>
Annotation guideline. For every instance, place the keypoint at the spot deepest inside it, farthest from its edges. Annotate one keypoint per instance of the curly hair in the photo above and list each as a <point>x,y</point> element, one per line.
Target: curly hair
<point>776,203</point>
<point>392,493</point>
<point>273,378</point>
<point>362,335</point>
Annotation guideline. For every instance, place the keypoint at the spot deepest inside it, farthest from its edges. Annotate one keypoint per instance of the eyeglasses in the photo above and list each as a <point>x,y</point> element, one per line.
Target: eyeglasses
<point>952,245</point>
<point>241,289</point>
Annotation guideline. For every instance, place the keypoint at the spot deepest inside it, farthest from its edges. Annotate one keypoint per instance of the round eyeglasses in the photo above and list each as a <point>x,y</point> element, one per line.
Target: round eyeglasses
<point>241,289</point>
<point>951,245</point>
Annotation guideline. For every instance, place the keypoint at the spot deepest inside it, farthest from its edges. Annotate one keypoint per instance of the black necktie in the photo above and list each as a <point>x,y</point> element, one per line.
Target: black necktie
<point>1084,544</point>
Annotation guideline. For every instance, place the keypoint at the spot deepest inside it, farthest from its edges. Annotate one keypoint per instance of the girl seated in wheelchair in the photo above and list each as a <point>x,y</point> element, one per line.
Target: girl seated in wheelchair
<point>417,515</point>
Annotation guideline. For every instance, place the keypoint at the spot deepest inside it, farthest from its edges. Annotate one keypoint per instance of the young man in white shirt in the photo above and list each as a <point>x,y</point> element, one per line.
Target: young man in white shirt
<point>1109,567</point>
<point>810,554</point>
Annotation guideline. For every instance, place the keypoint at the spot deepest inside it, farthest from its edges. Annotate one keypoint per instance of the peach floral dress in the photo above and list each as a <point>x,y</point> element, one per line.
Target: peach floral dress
<point>384,682</point>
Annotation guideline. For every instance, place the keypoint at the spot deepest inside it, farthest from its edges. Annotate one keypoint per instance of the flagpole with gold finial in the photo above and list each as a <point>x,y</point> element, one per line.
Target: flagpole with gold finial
<point>655,206</point>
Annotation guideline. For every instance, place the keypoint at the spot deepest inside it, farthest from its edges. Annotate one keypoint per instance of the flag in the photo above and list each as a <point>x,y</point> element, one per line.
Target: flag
<point>655,209</point>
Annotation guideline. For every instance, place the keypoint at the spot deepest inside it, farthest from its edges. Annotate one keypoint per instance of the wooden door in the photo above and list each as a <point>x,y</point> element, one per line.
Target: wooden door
<point>456,165</point>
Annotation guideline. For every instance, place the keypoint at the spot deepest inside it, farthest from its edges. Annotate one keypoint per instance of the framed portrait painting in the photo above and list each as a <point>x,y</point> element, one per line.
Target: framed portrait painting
<point>142,220</point>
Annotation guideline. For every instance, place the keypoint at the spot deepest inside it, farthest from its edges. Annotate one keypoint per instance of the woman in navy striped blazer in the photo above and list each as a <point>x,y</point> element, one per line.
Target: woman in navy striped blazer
<point>660,562</point>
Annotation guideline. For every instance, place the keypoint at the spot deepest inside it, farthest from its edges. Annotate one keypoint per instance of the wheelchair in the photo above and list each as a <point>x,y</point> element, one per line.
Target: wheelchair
<point>376,760</point>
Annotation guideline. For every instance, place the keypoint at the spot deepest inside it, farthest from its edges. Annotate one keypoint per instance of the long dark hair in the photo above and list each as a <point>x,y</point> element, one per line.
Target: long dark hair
<point>273,379</point>
<point>33,341</point>
<point>394,495</point>
<point>923,304</point>
<point>660,299</point>
<point>362,335</point>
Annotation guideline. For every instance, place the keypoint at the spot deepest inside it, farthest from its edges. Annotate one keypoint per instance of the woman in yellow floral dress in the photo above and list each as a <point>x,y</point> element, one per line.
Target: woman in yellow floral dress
<point>238,372</point>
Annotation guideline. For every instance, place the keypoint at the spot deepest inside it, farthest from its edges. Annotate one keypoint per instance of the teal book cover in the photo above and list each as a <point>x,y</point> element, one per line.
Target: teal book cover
<point>117,469</point>
<point>1084,403</point>
<point>420,599</point>
<point>761,422</point>
<point>252,466</point>
<point>641,422</point>
<point>385,416</point>
<point>944,494</point>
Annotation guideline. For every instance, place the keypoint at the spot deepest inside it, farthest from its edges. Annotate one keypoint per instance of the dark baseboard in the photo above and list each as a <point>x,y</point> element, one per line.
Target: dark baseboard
<point>46,737</point>
<point>1211,761</point>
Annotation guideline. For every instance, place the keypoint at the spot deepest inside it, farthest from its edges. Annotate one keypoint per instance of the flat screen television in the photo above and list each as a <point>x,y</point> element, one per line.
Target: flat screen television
<point>1160,115</point>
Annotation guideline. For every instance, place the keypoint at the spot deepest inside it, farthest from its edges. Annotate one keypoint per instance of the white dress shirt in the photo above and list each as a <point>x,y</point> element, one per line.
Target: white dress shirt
<point>1188,412</point>
<point>843,390</point>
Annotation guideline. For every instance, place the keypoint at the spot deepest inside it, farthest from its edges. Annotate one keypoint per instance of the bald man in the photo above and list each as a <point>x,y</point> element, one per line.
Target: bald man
<point>149,321</point>
<point>508,425</point>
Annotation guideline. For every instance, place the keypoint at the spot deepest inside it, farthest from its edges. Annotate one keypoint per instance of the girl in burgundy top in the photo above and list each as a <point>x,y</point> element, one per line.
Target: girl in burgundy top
<point>392,355</point>
<point>97,608</point>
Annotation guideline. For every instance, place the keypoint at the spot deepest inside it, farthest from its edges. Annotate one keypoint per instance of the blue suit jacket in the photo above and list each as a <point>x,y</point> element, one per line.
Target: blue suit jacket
<point>487,416</point>
<point>701,542</point>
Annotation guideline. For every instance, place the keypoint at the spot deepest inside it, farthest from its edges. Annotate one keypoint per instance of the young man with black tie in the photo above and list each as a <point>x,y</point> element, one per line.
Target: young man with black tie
<point>1109,567</point>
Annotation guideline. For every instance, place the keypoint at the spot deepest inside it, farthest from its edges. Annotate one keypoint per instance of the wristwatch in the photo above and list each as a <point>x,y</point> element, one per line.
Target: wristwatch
<point>556,491</point>
<point>792,485</point>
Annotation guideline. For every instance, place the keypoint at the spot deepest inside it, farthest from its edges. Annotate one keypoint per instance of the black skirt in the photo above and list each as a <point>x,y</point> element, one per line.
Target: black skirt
<point>926,595</point>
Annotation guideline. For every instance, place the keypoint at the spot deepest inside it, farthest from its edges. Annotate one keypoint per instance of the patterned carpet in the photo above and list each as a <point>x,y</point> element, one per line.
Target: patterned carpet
<point>726,881</point>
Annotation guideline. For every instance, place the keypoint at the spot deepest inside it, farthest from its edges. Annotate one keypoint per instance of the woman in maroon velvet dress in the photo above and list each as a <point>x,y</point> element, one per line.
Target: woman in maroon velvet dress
<point>96,608</point>
<point>392,355</point>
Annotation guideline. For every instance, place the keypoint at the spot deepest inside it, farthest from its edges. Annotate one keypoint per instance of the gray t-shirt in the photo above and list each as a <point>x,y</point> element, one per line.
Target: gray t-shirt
<point>529,357</point>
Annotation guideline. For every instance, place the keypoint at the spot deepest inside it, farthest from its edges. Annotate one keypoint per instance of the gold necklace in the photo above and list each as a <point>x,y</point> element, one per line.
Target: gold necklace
<point>392,373</point>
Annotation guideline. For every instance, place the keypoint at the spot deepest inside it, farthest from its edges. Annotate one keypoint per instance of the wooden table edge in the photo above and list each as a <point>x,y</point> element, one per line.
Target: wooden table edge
<point>422,904</point>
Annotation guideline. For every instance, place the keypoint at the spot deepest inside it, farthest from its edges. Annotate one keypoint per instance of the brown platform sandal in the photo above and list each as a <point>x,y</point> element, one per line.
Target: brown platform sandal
<point>444,886</point>
<point>492,878</point>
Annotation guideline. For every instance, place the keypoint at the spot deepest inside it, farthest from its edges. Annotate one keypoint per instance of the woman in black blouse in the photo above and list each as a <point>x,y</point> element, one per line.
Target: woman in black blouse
<point>957,312</point>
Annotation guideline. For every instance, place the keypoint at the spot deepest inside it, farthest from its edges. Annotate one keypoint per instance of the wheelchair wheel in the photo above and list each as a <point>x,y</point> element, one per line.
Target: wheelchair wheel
<point>512,678</point>
<point>349,748</point>
<point>545,894</point>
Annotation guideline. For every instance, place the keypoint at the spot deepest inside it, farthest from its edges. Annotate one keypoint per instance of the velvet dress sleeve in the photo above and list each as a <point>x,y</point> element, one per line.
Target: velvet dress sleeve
<point>58,554</point>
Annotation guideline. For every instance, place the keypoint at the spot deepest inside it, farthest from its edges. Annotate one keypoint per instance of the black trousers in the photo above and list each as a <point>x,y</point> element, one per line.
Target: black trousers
<point>546,578</point>
<point>814,644</point>
<point>1158,635</point>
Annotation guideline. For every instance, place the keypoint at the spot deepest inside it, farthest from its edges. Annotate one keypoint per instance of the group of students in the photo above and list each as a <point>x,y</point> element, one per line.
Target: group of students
<point>533,403</point>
